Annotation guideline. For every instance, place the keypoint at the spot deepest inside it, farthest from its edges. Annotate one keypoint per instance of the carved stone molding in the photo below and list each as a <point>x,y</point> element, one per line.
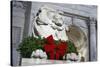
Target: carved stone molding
<point>19,4</point>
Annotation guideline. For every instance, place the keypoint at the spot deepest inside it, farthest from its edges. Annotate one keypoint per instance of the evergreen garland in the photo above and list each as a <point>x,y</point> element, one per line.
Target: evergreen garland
<point>71,47</point>
<point>30,44</point>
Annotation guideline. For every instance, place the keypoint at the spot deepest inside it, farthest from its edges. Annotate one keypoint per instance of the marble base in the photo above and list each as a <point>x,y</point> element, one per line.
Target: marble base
<point>33,61</point>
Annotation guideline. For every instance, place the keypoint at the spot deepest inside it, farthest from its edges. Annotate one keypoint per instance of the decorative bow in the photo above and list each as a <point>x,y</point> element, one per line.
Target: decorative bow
<point>55,51</point>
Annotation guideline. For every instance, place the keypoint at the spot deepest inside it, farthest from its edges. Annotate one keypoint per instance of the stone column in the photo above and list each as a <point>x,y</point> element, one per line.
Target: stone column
<point>18,9</point>
<point>93,40</point>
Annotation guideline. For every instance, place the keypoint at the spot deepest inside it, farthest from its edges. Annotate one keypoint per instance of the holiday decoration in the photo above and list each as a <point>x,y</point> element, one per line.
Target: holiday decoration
<point>30,44</point>
<point>61,49</point>
<point>50,47</point>
<point>55,51</point>
<point>47,48</point>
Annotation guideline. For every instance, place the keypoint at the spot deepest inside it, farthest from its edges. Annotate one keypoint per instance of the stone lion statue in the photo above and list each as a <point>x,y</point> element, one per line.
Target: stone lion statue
<point>49,22</point>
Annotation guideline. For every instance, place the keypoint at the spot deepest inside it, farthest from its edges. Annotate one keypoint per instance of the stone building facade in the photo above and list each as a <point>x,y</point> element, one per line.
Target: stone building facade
<point>23,13</point>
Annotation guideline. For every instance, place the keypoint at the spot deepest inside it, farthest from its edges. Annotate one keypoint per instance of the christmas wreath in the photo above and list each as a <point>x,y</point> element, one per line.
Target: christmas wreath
<point>54,50</point>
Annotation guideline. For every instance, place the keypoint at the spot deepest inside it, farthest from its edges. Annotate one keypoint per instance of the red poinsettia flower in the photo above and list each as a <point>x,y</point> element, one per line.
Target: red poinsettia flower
<point>50,40</point>
<point>55,51</point>
<point>61,49</point>
<point>50,46</point>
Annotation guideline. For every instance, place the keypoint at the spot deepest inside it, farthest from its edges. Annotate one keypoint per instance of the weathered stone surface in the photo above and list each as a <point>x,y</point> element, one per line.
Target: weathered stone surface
<point>50,22</point>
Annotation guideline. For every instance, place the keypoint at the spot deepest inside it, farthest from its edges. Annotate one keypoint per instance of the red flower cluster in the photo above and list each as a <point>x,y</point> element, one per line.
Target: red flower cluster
<point>61,49</point>
<point>53,50</point>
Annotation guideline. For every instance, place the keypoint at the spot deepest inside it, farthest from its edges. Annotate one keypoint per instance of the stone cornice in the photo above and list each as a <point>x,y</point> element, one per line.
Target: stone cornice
<point>19,4</point>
